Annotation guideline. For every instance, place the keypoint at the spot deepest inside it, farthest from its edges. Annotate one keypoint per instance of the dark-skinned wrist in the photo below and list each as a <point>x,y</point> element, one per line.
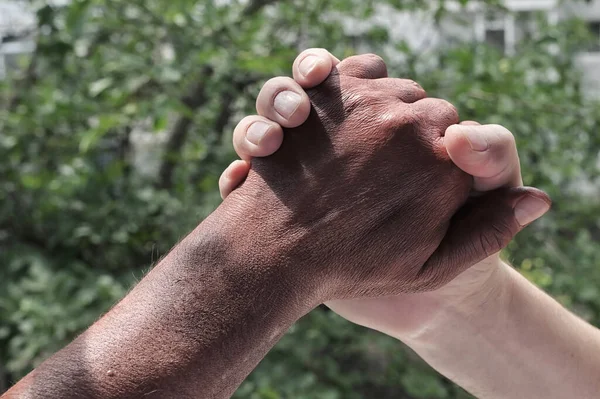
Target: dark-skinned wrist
<point>262,234</point>
<point>194,327</point>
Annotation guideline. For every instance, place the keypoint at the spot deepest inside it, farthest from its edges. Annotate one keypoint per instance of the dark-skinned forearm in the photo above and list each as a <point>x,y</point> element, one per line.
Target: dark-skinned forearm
<point>195,326</point>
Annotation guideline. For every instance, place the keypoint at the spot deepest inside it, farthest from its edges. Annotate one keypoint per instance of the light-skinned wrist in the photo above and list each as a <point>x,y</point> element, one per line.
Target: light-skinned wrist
<point>469,309</point>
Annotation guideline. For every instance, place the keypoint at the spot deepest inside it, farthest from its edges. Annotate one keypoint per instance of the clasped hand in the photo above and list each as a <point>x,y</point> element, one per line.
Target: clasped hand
<point>362,198</point>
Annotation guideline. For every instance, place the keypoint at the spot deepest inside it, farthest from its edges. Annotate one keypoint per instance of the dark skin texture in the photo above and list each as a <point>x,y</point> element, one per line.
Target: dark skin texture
<point>360,200</point>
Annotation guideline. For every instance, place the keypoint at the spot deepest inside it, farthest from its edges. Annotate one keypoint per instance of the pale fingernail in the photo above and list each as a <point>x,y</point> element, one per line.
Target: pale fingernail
<point>256,132</point>
<point>476,140</point>
<point>307,65</point>
<point>529,209</point>
<point>286,103</point>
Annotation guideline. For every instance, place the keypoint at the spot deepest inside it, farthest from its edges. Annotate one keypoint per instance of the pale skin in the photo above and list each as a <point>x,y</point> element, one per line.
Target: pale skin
<point>490,330</point>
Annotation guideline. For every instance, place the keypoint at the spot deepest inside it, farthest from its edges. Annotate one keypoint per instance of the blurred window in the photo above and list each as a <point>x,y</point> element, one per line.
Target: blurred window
<point>495,29</point>
<point>595,30</point>
<point>495,37</point>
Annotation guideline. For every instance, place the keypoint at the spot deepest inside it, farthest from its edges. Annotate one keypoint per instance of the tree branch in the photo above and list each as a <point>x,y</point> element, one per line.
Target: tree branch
<point>25,83</point>
<point>224,116</point>
<point>178,134</point>
<point>194,100</point>
<point>255,6</point>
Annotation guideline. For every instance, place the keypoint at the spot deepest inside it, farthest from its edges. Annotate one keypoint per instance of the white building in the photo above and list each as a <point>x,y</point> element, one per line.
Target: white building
<point>418,29</point>
<point>16,23</point>
<point>502,29</point>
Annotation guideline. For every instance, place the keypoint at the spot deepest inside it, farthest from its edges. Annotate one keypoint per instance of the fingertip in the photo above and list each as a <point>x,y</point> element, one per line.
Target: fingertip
<point>487,152</point>
<point>313,66</point>
<point>237,170</point>
<point>467,146</point>
<point>283,101</point>
<point>471,155</point>
<point>270,142</point>
<point>256,136</point>
<point>233,176</point>
<point>531,207</point>
<point>458,146</point>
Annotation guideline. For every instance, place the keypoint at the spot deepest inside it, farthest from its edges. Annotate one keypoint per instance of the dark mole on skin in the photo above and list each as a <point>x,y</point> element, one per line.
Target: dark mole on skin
<point>110,373</point>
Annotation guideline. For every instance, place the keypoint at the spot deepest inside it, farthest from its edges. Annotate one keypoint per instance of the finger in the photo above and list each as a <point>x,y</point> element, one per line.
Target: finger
<point>487,152</point>
<point>365,66</point>
<point>233,176</point>
<point>283,101</point>
<point>435,114</point>
<point>407,90</point>
<point>470,123</point>
<point>256,136</point>
<point>313,66</point>
<point>482,228</point>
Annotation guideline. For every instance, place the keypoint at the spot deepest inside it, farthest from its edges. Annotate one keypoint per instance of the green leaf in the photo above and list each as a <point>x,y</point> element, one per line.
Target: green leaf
<point>99,86</point>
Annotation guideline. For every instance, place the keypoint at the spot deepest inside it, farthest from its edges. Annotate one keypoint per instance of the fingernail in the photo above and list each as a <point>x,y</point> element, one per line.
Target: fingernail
<point>256,132</point>
<point>286,103</point>
<point>476,140</point>
<point>529,209</point>
<point>307,65</point>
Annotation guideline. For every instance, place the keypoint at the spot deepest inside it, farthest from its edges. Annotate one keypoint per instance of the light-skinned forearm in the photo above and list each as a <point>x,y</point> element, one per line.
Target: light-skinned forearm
<point>513,341</point>
<point>194,327</point>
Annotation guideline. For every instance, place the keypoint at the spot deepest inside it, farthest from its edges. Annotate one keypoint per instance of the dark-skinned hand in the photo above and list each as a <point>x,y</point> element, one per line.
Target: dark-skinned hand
<point>362,199</point>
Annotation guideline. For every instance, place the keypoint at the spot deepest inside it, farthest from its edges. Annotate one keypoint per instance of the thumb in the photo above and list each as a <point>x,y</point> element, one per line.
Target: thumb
<point>482,227</point>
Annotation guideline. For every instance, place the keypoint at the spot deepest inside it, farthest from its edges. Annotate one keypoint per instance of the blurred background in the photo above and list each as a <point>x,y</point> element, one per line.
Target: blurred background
<point>116,119</point>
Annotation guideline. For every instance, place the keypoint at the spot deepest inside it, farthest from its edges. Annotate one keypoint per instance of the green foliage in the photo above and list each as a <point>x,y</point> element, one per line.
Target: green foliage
<point>82,218</point>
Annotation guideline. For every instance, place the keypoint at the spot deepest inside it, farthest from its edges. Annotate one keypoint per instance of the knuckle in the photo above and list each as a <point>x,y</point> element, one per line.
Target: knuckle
<point>449,108</point>
<point>376,64</point>
<point>414,88</point>
<point>405,115</point>
<point>404,89</point>
<point>449,115</point>
<point>437,111</point>
<point>373,104</point>
<point>411,91</point>
<point>364,66</point>
<point>397,117</point>
<point>373,58</point>
<point>412,84</point>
